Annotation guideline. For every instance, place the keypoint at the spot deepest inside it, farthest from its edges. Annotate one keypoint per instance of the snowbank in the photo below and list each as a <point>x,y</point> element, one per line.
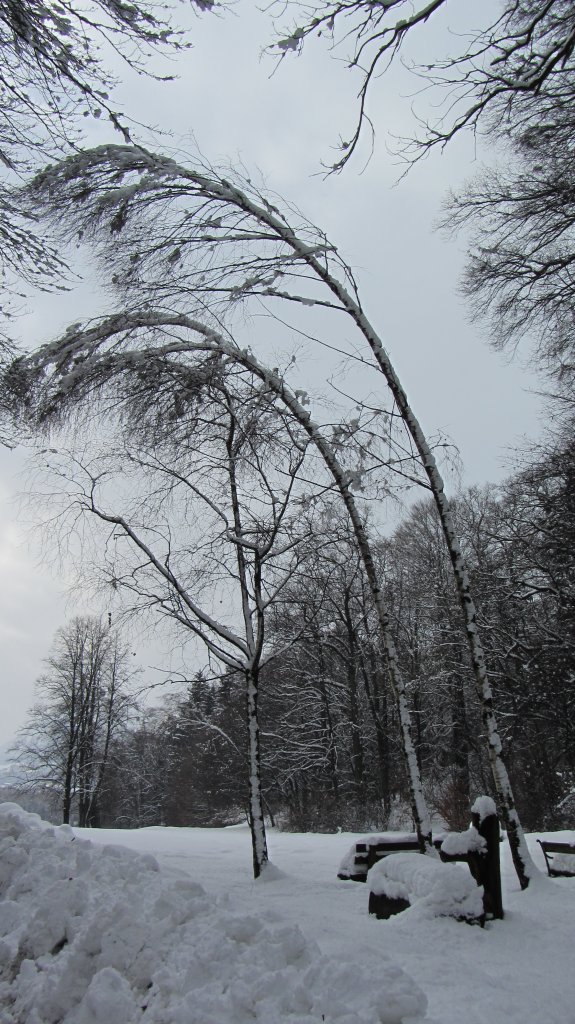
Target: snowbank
<point>95,935</point>
<point>438,890</point>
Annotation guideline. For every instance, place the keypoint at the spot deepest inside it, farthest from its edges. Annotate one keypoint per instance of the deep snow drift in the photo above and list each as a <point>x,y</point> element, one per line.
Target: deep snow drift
<point>96,934</point>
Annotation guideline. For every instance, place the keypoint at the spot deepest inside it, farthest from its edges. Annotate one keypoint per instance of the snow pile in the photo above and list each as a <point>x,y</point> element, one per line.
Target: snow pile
<point>94,935</point>
<point>458,844</point>
<point>348,867</point>
<point>485,807</point>
<point>438,890</point>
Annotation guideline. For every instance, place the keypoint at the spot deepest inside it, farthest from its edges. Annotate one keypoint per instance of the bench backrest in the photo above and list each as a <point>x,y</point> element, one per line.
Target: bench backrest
<point>550,846</point>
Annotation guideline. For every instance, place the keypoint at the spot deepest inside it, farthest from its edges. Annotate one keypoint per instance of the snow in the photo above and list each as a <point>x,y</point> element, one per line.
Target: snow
<point>98,935</point>
<point>431,887</point>
<point>301,935</point>
<point>485,807</point>
<point>458,844</point>
<point>564,862</point>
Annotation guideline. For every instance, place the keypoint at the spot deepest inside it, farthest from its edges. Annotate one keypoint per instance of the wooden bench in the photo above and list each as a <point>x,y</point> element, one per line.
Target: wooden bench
<point>481,857</point>
<point>370,850</point>
<point>551,847</point>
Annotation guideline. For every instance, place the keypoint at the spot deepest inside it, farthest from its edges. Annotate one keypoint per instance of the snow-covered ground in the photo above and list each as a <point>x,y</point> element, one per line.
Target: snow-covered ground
<point>93,934</point>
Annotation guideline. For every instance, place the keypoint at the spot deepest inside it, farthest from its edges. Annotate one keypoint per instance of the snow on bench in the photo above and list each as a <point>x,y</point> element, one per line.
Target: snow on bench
<point>561,863</point>
<point>461,844</point>
<point>370,849</point>
<point>477,846</point>
<point>441,890</point>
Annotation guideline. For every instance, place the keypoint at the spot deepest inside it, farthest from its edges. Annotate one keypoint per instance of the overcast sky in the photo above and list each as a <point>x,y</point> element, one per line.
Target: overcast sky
<point>281,123</point>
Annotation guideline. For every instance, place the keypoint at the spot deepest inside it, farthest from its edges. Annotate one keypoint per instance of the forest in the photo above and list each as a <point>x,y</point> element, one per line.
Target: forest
<point>331,746</point>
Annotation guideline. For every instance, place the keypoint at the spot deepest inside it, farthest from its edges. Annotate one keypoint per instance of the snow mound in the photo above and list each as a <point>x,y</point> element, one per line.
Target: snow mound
<point>485,807</point>
<point>96,935</point>
<point>437,889</point>
<point>348,866</point>
<point>458,844</point>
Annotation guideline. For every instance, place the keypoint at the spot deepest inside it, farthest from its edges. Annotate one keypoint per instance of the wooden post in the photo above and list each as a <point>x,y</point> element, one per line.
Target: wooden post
<point>485,868</point>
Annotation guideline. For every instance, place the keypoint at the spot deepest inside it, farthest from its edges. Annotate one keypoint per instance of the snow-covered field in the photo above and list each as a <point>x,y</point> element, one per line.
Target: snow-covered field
<point>170,928</point>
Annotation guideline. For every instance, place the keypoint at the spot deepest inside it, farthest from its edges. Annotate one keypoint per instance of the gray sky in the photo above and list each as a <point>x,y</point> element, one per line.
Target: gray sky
<point>282,125</point>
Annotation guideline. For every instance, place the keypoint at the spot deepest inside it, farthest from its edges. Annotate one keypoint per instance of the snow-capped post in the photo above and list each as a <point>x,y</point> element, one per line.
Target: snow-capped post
<point>484,819</point>
<point>479,848</point>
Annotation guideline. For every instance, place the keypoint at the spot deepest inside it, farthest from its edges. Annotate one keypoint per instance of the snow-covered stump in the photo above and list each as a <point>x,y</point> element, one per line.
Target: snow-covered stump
<point>438,890</point>
<point>479,847</point>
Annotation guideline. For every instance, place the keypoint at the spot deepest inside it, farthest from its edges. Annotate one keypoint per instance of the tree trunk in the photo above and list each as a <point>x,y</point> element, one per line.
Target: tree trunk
<point>351,664</point>
<point>341,480</point>
<point>256,812</point>
<point>522,860</point>
<point>67,800</point>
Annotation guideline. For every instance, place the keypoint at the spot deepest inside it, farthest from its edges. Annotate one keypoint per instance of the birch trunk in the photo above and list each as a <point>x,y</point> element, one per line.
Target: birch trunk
<point>254,643</point>
<point>418,804</point>
<point>522,860</point>
<point>256,812</point>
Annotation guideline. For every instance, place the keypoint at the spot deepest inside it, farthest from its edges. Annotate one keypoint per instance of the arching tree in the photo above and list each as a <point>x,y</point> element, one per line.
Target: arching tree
<point>135,373</point>
<point>231,244</point>
<point>55,71</point>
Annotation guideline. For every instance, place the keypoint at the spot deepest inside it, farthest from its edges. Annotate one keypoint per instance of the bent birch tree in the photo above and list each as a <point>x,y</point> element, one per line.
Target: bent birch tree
<point>181,238</point>
<point>108,356</point>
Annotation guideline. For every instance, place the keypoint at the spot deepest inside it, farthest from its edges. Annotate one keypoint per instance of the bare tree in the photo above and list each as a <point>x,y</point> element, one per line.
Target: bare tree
<point>519,56</point>
<point>200,516</point>
<point>55,72</point>
<point>521,259</point>
<point>231,244</point>
<point>85,699</point>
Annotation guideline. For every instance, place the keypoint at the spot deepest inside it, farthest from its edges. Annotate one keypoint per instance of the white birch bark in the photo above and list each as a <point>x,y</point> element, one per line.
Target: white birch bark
<point>256,811</point>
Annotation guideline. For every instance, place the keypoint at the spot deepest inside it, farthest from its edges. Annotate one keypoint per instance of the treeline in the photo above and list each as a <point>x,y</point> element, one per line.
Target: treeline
<point>331,749</point>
